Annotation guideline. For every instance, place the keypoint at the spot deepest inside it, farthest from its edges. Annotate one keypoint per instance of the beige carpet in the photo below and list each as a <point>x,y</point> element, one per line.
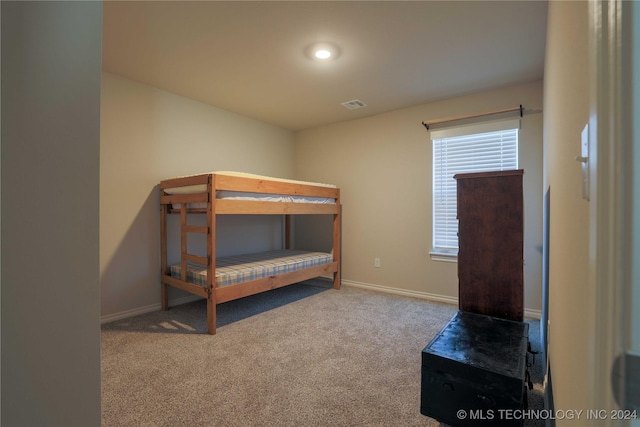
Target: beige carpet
<point>304,355</point>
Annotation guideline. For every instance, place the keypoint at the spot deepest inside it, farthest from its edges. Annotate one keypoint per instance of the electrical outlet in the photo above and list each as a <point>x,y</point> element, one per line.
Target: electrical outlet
<point>376,262</point>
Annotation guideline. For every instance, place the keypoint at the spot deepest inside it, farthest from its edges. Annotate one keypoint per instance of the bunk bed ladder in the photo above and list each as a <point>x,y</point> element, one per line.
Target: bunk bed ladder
<point>209,260</point>
<point>186,257</point>
<point>211,256</point>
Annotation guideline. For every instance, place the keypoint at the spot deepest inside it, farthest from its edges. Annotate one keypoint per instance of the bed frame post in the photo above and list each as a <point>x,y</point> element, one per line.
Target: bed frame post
<point>211,256</point>
<point>287,231</point>
<point>163,254</point>
<point>337,243</point>
<point>183,242</point>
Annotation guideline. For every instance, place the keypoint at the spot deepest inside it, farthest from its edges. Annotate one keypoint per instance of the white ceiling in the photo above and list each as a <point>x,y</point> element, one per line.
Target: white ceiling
<point>249,57</point>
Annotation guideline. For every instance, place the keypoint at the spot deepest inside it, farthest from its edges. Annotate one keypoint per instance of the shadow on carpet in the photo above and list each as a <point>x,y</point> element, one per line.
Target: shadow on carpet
<point>191,318</point>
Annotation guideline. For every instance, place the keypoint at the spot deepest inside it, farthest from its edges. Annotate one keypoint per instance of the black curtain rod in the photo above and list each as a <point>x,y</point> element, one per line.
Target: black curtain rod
<point>473,116</point>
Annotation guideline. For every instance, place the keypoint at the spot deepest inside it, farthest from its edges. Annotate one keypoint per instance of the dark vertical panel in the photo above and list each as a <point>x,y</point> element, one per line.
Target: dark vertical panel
<point>51,71</point>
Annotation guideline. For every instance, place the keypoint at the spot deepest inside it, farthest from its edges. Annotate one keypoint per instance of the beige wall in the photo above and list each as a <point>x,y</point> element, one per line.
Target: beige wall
<point>148,135</point>
<point>635,120</point>
<point>50,182</point>
<point>383,166</point>
<point>566,111</point>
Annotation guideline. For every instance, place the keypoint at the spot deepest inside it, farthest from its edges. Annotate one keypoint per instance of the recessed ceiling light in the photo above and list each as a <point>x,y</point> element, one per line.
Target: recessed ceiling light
<point>322,54</point>
<point>322,51</point>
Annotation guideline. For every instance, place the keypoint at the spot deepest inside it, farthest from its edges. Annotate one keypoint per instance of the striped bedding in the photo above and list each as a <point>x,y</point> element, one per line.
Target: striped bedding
<point>242,268</point>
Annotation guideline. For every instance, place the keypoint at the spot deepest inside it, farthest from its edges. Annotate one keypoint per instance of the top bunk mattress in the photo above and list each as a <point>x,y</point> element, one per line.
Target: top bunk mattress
<point>201,188</point>
<point>251,196</point>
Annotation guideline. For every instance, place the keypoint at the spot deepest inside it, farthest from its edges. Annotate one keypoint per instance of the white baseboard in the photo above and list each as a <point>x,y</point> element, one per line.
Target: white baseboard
<point>146,309</point>
<point>532,314</point>
<point>528,313</point>
<point>396,291</point>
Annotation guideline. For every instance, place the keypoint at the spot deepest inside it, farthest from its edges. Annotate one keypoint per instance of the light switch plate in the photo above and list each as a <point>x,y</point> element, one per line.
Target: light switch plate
<point>584,161</point>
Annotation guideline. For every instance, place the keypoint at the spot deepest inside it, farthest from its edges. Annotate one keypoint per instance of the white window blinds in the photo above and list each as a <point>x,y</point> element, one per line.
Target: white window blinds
<point>476,148</point>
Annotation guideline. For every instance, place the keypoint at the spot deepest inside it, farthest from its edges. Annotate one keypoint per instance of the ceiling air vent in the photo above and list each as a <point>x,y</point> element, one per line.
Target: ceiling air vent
<point>353,104</point>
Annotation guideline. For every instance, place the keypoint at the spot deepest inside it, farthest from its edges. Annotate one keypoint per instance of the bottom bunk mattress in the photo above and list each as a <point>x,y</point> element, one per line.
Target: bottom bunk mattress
<point>243,268</point>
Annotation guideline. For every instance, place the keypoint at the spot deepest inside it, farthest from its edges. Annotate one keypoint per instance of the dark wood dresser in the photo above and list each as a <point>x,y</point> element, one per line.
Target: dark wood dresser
<point>490,239</point>
<point>473,372</point>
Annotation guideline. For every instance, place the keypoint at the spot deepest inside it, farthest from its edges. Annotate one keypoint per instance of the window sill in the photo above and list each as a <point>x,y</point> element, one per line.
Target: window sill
<point>443,256</point>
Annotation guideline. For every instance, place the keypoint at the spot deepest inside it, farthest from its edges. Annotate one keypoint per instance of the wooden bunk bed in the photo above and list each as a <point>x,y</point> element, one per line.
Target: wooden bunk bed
<point>223,193</point>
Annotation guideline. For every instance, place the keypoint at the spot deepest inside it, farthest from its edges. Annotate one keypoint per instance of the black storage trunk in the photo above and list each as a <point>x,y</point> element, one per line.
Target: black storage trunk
<point>473,372</point>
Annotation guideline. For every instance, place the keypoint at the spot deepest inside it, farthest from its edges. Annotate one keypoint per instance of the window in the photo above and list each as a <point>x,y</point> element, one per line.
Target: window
<point>476,148</point>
